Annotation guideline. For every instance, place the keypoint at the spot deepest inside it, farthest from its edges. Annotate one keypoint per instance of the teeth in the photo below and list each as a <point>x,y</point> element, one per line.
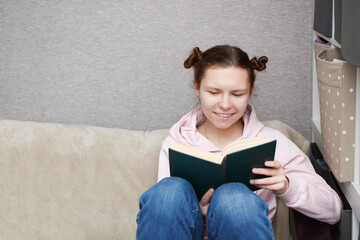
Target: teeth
<point>223,115</point>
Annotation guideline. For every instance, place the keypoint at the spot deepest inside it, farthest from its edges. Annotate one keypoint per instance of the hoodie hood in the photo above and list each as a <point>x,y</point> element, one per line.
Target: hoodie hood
<point>252,125</point>
<point>185,130</point>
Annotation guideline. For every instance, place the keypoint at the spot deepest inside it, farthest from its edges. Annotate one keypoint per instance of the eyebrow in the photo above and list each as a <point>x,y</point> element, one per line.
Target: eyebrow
<point>218,89</point>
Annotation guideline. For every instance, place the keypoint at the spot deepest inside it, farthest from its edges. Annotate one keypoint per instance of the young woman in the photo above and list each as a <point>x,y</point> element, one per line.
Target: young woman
<point>224,81</point>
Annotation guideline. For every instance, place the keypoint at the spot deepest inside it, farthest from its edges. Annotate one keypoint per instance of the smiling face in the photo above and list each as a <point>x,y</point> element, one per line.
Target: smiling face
<point>224,93</point>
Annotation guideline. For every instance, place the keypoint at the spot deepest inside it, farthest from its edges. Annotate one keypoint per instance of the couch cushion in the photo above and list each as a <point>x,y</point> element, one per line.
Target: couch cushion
<point>73,182</point>
<point>79,182</point>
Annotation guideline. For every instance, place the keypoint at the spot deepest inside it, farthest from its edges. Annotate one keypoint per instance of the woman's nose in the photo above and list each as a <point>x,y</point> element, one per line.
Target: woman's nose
<point>225,102</point>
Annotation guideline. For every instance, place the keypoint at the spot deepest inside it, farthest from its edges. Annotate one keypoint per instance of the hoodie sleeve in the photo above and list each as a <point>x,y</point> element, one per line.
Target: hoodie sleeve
<point>308,192</point>
<point>164,167</point>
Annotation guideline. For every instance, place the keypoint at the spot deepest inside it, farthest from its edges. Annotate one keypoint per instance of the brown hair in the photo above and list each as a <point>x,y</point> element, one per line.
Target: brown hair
<point>223,56</point>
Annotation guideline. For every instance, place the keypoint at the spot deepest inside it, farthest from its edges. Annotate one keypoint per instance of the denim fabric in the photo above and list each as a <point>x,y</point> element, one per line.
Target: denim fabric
<point>170,210</point>
<point>235,212</point>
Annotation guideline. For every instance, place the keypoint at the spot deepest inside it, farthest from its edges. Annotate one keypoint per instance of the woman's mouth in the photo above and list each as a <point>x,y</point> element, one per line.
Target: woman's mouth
<point>224,115</point>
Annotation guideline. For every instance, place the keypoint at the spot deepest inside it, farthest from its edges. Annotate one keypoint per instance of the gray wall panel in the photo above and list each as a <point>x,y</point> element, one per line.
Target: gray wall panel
<point>120,63</point>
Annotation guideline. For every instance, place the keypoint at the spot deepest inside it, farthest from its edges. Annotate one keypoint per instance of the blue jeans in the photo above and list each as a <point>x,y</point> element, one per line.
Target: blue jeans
<point>170,210</point>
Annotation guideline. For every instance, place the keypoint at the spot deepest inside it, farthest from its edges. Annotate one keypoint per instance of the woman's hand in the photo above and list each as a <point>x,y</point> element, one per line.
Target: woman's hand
<point>205,200</point>
<point>277,180</point>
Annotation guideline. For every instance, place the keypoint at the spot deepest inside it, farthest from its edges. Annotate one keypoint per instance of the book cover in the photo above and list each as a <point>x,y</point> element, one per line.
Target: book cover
<point>233,167</point>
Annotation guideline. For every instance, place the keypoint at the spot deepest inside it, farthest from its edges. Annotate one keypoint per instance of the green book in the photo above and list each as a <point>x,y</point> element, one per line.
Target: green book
<point>205,170</point>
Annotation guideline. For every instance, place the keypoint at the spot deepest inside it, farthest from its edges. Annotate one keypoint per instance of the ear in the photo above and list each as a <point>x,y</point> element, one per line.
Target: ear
<point>197,89</point>
<point>252,90</point>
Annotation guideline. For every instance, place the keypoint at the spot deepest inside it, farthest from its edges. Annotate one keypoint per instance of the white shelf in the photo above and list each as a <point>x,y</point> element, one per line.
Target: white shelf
<point>316,131</point>
<point>331,40</point>
<point>351,190</point>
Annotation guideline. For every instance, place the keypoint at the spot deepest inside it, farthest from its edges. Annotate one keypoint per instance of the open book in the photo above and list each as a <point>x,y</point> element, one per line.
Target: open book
<point>205,170</point>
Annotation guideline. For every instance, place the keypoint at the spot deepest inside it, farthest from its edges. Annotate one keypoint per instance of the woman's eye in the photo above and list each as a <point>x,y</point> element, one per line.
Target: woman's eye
<point>237,94</point>
<point>213,93</point>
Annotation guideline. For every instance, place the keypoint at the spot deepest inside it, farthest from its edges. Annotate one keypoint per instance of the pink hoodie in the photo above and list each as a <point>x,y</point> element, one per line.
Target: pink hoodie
<point>308,193</point>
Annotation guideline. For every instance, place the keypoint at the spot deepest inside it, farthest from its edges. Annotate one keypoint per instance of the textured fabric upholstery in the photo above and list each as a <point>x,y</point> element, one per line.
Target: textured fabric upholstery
<point>81,182</point>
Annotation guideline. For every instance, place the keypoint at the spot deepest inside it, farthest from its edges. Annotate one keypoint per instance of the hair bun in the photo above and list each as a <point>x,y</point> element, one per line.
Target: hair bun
<point>194,59</point>
<point>259,64</point>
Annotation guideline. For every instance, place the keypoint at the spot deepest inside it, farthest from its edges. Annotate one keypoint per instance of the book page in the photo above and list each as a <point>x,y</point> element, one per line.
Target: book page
<point>244,144</point>
<point>192,151</point>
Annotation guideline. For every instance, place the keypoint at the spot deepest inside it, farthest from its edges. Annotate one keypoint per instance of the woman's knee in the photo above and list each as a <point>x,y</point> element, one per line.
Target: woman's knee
<point>233,191</point>
<point>236,209</point>
<point>168,200</point>
<point>168,192</point>
<point>172,187</point>
<point>171,202</point>
<point>237,200</point>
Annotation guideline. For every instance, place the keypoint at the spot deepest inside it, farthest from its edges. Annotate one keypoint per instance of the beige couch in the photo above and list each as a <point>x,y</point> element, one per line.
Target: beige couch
<point>83,182</point>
